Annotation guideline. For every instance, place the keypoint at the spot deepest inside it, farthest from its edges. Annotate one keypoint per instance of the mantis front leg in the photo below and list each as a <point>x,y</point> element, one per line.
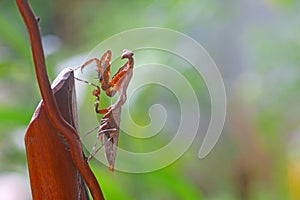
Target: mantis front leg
<point>103,67</point>
<point>122,77</point>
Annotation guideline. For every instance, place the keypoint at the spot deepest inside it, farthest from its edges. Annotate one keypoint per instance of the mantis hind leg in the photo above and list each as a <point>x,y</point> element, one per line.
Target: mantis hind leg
<point>94,150</point>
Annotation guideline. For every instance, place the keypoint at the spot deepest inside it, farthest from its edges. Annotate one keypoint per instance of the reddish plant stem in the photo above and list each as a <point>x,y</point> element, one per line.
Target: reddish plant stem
<point>50,104</point>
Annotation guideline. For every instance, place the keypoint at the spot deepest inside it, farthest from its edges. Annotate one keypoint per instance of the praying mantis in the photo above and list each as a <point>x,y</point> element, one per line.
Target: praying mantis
<point>108,131</point>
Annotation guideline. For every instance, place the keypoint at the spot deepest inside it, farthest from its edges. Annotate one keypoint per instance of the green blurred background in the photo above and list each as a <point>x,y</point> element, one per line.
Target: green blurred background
<point>256,46</point>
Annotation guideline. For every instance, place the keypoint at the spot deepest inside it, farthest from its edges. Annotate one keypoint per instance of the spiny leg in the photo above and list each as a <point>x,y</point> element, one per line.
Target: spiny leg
<point>120,76</point>
<point>103,65</point>
<point>87,82</point>
<point>98,63</point>
<point>94,150</point>
<point>89,132</point>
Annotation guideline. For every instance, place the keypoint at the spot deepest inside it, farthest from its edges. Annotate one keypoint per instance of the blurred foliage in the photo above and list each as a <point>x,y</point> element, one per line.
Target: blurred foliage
<point>256,46</point>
